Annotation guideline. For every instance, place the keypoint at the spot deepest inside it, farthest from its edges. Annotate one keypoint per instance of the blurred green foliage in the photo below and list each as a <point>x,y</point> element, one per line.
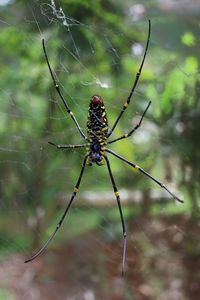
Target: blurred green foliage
<point>89,47</point>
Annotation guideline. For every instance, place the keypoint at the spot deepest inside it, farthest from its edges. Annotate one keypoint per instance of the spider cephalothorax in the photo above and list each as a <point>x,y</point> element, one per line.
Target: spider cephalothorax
<point>96,146</point>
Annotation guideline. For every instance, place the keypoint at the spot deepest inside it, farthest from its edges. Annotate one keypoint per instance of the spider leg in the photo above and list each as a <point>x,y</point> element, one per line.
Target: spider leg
<point>134,84</point>
<point>59,92</point>
<point>120,211</point>
<point>134,129</point>
<point>67,146</point>
<point>38,253</point>
<point>145,173</point>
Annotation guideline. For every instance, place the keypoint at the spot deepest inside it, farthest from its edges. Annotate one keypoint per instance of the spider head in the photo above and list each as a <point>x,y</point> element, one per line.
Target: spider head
<point>96,100</point>
<point>95,158</point>
<point>94,155</point>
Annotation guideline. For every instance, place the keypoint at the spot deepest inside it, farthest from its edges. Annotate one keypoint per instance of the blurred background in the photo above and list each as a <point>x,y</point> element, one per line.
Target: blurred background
<point>95,47</point>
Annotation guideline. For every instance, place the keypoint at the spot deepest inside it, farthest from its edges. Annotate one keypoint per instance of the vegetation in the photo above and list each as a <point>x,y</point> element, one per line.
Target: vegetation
<point>89,46</point>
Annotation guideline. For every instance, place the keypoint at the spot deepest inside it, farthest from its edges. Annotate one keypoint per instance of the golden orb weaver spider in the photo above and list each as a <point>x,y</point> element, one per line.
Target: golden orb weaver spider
<point>96,146</point>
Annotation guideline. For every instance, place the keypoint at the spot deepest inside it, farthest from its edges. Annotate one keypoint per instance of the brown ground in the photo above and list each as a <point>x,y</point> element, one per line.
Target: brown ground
<point>163,263</point>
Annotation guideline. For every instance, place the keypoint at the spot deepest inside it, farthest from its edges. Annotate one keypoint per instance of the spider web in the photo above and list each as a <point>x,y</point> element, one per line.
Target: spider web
<point>88,247</point>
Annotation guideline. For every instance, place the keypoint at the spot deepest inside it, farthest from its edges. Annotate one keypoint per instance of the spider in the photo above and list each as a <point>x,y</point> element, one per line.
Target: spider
<point>96,146</point>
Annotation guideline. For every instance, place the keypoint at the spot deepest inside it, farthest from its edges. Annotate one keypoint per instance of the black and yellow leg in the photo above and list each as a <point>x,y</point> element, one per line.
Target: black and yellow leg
<point>145,173</point>
<point>63,216</point>
<point>134,84</point>
<point>134,129</point>
<point>59,92</point>
<point>67,146</point>
<point>120,211</point>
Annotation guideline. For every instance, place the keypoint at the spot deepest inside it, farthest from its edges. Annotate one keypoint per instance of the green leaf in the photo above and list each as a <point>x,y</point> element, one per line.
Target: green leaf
<point>188,39</point>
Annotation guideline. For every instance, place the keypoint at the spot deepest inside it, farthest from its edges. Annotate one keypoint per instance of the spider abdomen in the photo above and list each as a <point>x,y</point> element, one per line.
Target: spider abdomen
<point>97,126</point>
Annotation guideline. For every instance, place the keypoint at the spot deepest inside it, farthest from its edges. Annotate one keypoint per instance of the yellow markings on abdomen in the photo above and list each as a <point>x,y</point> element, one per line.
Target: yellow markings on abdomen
<point>117,194</point>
